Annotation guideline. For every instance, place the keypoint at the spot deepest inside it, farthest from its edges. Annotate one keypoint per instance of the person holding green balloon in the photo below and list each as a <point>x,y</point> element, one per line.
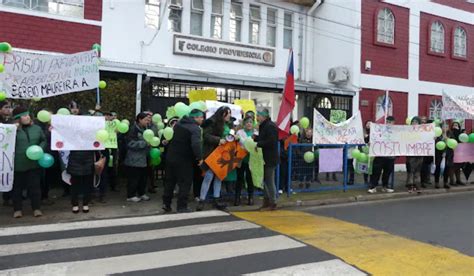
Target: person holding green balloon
<point>439,155</point>
<point>136,161</point>
<point>30,142</point>
<point>243,173</point>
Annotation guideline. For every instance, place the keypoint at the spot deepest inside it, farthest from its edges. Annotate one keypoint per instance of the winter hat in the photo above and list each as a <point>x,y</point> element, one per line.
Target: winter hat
<point>19,111</point>
<point>416,119</point>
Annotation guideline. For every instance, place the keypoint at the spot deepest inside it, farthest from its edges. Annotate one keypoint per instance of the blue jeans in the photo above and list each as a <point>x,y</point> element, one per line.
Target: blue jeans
<point>206,183</point>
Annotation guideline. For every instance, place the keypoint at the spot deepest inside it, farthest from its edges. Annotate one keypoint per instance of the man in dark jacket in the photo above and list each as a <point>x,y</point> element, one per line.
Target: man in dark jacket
<point>268,141</point>
<point>184,150</point>
<point>27,172</point>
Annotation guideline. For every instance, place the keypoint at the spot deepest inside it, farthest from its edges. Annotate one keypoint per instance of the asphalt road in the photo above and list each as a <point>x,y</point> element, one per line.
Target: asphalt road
<point>446,220</point>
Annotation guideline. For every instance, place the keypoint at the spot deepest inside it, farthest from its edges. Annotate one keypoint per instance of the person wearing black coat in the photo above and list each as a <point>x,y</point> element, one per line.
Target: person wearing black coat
<point>183,151</point>
<point>81,168</point>
<point>268,141</point>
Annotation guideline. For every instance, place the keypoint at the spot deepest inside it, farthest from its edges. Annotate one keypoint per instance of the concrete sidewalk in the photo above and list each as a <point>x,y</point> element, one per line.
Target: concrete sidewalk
<point>116,205</point>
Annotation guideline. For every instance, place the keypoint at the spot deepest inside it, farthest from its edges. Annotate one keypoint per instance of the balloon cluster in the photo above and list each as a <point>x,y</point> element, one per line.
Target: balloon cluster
<point>452,143</point>
<point>36,153</point>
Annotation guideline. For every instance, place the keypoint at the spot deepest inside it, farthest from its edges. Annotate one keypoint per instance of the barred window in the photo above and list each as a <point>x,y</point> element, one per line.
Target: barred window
<point>437,37</point>
<point>216,19</point>
<point>435,109</point>
<point>72,8</point>
<point>236,22</point>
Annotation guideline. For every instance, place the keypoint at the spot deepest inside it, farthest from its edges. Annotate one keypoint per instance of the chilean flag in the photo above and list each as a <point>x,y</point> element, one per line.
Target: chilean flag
<point>287,102</point>
<point>382,112</point>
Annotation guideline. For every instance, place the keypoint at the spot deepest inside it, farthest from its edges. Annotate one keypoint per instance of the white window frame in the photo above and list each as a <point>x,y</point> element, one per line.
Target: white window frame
<point>59,7</point>
<point>217,20</point>
<point>254,25</point>
<point>435,110</point>
<point>460,42</point>
<point>288,30</point>
<point>152,13</point>
<point>235,26</point>
<point>272,27</point>
<point>437,37</point>
<point>197,11</point>
<point>386,26</point>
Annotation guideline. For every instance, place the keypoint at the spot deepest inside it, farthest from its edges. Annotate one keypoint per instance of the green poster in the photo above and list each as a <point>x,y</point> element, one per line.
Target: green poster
<point>111,129</point>
<point>256,164</point>
<point>338,116</point>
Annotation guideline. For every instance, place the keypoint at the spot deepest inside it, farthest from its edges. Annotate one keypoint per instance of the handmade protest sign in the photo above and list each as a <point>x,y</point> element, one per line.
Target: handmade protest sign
<point>464,153</point>
<point>212,107</point>
<point>111,128</point>
<point>32,75</point>
<point>202,95</point>
<point>76,132</point>
<point>7,156</point>
<point>256,165</point>
<point>458,106</point>
<point>332,160</point>
<point>225,158</point>
<point>246,105</point>
<point>338,116</point>
<point>325,132</point>
<point>402,140</point>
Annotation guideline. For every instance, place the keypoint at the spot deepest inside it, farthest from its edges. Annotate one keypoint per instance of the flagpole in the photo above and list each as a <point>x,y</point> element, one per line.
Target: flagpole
<point>386,106</point>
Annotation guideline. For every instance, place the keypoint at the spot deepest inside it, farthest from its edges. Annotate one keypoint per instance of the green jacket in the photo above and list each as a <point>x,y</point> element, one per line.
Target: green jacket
<point>25,137</point>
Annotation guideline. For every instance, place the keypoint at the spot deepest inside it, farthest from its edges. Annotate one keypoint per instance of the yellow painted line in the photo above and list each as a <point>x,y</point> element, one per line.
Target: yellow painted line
<point>376,252</point>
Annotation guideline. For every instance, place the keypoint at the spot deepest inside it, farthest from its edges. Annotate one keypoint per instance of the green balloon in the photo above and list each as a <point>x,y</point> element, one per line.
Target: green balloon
<point>96,46</point>
<point>160,125</point>
<point>125,121</point>
<point>304,122</point>
<point>452,143</point>
<point>156,118</point>
<point>308,157</point>
<point>463,137</point>
<point>363,158</point>
<point>168,133</point>
<point>202,106</point>
<point>366,149</point>
<point>155,153</point>
<point>181,109</point>
<point>408,120</point>
<point>102,84</point>
<point>3,96</point>
<point>195,105</point>
<point>2,68</point>
<point>44,116</point>
<point>441,145</point>
<point>102,135</point>
<point>63,111</point>
<point>437,122</point>
<point>34,152</point>
<point>5,47</point>
<point>155,142</point>
<point>47,161</point>
<point>438,131</point>
<point>122,127</point>
<point>356,154</point>
<point>295,130</point>
<point>116,121</point>
<point>148,135</point>
<point>160,133</point>
<point>471,138</point>
<point>155,161</point>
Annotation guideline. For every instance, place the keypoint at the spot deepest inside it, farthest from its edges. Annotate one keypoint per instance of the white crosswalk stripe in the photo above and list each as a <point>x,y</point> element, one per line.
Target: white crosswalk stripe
<point>184,244</point>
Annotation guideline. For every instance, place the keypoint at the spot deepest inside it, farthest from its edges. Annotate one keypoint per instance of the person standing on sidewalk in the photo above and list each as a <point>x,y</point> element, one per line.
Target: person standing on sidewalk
<point>183,151</point>
<point>81,168</point>
<point>5,118</point>
<point>427,161</point>
<point>385,165</point>
<point>415,163</point>
<point>243,173</point>
<point>27,173</point>
<point>268,141</point>
<point>136,159</point>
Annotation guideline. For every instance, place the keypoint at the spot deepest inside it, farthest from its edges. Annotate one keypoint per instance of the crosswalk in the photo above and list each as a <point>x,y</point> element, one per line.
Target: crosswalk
<point>203,243</point>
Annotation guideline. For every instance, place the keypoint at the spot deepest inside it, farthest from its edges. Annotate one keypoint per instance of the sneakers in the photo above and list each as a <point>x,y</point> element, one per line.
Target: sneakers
<point>17,214</point>
<point>134,199</point>
<point>75,209</point>
<point>372,191</point>
<point>145,198</point>
<point>37,213</point>
<point>85,209</point>
<point>387,190</point>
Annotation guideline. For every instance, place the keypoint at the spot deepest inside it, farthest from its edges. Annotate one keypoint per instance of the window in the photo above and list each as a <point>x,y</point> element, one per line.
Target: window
<point>174,18</point>
<point>254,25</point>
<point>235,22</point>
<point>72,8</point>
<point>324,102</point>
<point>152,13</point>
<point>435,109</point>
<point>437,38</point>
<point>216,19</point>
<point>197,10</point>
<point>385,26</point>
<point>380,108</point>
<point>271,27</point>
<point>288,31</point>
<point>460,43</point>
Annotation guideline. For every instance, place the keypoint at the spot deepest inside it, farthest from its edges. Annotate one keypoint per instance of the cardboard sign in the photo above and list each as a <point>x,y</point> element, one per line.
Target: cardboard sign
<point>202,95</point>
<point>256,165</point>
<point>464,153</point>
<point>402,140</point>
<point>349,131</point>
<point>458,107</point>
<point>246,105</point>
<point>332,160</point>
<point>212,107</point>
<point>31,75</point>
<point>76,132</point>
<point>338,116</point>
<point>111,128</point>
<point>7,156</point>
<point>225,158</point>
